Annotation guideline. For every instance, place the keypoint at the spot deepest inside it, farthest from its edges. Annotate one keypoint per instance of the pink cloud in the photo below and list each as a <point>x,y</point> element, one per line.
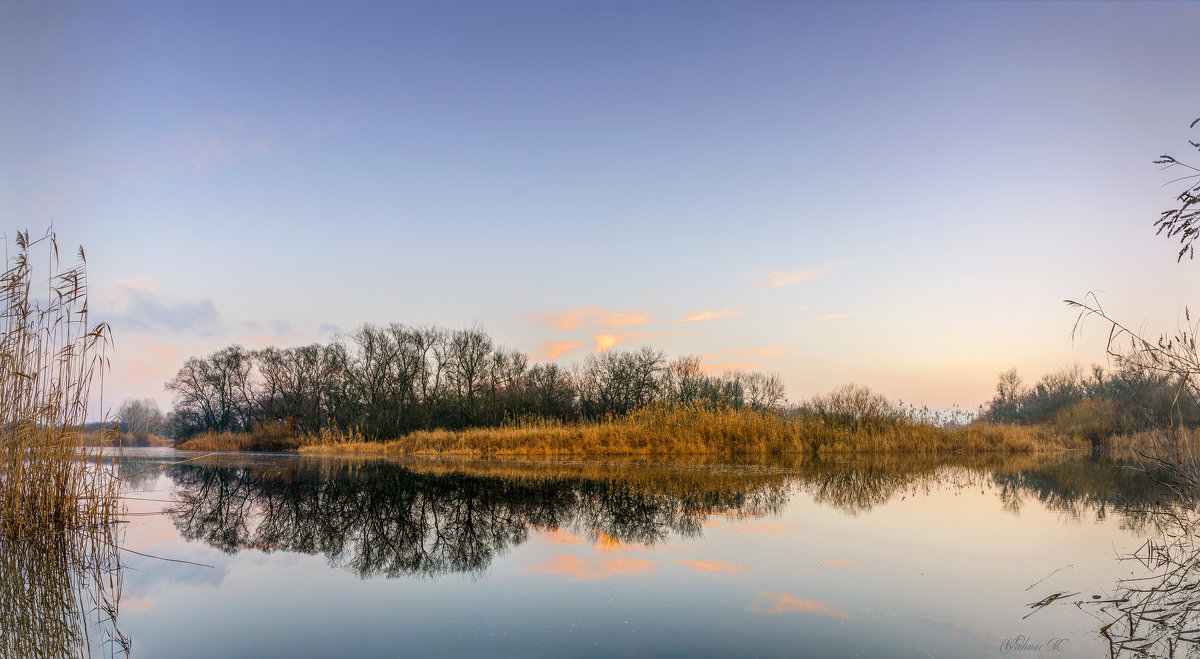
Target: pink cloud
<point>782,278</point>
<point>590,317</point>
<point>608,340</point>
<point>706,315</point>
<point>553,349</point>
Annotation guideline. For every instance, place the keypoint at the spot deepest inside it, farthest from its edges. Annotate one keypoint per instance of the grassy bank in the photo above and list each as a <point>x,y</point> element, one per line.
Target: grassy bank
<point>683,430</point>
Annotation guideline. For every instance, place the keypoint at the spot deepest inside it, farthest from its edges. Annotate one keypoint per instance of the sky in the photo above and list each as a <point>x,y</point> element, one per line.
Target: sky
<point>898,194</point>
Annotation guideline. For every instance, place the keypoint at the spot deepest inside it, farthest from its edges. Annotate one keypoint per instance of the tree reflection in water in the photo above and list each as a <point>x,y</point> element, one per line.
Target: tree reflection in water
<point>430,517</point>
<point>384,519</point>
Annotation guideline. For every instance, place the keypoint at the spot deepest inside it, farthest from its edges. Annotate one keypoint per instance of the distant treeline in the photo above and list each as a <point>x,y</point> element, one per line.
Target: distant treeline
<point>1095,403</point>
<point>383,382</point>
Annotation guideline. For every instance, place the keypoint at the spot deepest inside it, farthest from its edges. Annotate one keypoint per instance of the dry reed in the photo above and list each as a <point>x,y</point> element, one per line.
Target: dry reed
<point>59,502</point>
<point>49,356</point>
<point>702,430</point>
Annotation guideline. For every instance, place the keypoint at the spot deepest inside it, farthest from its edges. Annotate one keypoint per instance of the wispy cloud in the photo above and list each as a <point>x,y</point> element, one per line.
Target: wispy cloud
<point>204,153</point>
<point>553,349</point>
<point>622,319</point>
<point>139,309</point>
<point>608,340</point>
<point>706,315</point>
<point>590,317</point>
<point>782,278</point>
<point>196,149</point>
<point>832,316</point>
<point>772,603</point>
<point>836,563</point>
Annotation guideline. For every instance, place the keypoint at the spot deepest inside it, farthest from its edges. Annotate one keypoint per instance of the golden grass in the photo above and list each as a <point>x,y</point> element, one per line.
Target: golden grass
<point>266,439</point>
<point>700,430</point>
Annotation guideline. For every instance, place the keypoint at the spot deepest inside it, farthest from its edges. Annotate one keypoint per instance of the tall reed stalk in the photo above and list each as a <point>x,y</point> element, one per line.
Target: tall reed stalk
<point>49,358</point>
<point>59,553</point>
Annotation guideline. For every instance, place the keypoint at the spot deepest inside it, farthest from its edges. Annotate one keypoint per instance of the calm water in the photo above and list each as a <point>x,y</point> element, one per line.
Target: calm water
<point>867,558</point>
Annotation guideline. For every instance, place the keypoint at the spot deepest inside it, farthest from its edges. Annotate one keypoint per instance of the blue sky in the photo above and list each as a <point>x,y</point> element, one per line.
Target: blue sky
<point>895,193</point>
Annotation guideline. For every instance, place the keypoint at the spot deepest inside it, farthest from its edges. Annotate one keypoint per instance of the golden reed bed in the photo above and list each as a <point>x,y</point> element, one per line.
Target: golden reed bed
<point>662,431</point>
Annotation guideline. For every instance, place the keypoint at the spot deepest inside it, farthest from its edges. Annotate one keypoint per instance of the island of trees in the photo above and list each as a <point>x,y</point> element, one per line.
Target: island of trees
<point>436,390</point>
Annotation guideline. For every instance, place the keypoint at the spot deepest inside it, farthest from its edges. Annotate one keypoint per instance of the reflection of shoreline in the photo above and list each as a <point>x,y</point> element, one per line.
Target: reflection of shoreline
<point>432,516</point>
<point>384,519</point>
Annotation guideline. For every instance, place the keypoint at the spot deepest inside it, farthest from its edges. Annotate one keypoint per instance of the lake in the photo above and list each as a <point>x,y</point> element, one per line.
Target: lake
<point>843,557</point>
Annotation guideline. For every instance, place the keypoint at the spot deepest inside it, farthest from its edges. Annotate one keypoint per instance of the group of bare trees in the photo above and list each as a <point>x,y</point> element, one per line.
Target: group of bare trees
<point>139,419</point>
<point>1130,398</point>
<point>386,381</point>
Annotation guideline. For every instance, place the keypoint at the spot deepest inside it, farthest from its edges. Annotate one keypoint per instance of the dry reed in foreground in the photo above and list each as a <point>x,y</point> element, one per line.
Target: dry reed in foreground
<point>59,557</point>
<point>699,430</point>
<point>49,356</point>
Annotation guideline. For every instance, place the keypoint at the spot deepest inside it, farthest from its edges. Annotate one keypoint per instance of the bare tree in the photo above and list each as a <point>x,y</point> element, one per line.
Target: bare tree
<point>762,391</point>
<point>214,393</point>
<point>140,418</point>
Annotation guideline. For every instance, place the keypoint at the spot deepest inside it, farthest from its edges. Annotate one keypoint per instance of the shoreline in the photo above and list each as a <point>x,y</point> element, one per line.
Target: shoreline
<point>675,432</point>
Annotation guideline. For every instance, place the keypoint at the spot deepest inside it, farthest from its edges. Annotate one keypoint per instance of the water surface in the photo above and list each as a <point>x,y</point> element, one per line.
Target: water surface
<point>878,557</point>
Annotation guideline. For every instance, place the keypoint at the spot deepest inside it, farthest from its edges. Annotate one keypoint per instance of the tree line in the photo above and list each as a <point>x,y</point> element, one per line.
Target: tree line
<point>384,382</point>
<point>1131,398</point>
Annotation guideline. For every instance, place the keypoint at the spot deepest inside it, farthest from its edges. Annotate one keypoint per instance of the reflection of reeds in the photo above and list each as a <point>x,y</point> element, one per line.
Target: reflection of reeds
<point>55,590</point>
<point>58,506</point>
<point>1158,613</point>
